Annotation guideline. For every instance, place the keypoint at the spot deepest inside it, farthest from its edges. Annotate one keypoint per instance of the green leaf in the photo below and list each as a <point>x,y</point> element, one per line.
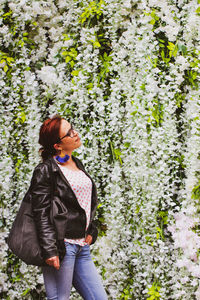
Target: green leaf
<point>66,37</point>
<point>198,10</point>
<point>117,152</point>
<point>97,44</point>
<point>67,59</point>
<point>143,86</point>
<point>5,68</point>
<point>163,55</point>
<point>196,192</point>
<point>64,53</point>
<point>152,22</point>
<point>23,117</point>
<point>26,292</point>
<point>170,46</point>
<point>90,86</point>
<point>75,72</point>
<point>127,144</point>
<point>72,63</point>
<point>10,59</point>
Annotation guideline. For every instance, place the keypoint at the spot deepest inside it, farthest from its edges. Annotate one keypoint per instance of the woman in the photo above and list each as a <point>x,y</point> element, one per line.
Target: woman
<point>65,239</point>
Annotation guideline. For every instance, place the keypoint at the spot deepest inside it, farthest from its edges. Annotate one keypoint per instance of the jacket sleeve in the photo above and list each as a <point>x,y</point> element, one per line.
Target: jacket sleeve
<point>92,230</point>
<point>41,203</point>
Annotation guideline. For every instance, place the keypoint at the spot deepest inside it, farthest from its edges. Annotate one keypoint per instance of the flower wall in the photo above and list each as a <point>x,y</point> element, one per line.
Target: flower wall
<point>126,73</point>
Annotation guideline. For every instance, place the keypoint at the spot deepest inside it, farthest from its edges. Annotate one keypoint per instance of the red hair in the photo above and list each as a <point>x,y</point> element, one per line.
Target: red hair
<point>49,135</point>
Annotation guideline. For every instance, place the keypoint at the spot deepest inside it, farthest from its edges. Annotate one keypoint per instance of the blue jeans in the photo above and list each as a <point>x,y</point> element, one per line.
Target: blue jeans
<point>77,268</point>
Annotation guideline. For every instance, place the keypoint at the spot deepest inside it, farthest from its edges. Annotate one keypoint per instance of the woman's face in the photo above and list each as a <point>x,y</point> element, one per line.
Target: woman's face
<point>68,143</point>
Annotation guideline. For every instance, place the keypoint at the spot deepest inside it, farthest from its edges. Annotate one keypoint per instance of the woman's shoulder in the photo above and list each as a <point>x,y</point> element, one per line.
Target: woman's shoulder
<point>43,166</point>
<point>41,173</point>
<point>50,164</point>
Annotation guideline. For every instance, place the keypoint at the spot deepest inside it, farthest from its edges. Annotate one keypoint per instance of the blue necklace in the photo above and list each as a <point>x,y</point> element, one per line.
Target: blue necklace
<point>62,159</point>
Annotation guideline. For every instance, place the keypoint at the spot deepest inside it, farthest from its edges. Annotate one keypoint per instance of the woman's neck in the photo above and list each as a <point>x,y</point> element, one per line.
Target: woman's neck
<point>69,162</point>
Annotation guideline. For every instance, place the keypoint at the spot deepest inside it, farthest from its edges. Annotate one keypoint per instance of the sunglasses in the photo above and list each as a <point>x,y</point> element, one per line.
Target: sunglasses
<point>70,133</point>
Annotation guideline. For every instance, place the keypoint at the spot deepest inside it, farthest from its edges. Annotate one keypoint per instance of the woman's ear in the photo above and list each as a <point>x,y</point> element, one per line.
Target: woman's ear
<point>57,147</point>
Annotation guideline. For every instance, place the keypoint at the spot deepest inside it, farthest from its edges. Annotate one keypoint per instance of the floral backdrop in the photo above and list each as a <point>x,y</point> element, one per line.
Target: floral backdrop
<point>126,73</point>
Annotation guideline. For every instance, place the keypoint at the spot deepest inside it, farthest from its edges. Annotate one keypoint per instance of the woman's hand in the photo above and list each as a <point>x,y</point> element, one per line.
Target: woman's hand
<point>53,261</point>
<point>88,239</point>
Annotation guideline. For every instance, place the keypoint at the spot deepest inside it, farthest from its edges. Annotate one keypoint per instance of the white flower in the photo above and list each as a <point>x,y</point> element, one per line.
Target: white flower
<point>36,7</point>
<point>48,75</point>
<point>183,63</point>
<point>184,280</point>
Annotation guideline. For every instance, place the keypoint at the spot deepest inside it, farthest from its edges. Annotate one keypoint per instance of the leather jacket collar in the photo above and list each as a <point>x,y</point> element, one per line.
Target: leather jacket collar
<point>55,167</point>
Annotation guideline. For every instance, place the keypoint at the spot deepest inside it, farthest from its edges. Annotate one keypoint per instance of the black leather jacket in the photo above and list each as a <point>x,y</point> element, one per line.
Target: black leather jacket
<point>69,221</point>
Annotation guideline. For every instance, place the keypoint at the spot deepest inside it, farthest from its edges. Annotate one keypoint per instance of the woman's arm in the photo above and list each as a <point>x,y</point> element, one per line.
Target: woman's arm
<point>92,231</point>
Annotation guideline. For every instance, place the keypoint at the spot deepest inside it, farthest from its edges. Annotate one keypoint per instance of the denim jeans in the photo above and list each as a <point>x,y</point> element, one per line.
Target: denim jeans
<point>77,268</point>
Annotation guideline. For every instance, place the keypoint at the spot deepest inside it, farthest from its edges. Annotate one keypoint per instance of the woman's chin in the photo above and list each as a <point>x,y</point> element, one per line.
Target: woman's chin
<point>78,143</point>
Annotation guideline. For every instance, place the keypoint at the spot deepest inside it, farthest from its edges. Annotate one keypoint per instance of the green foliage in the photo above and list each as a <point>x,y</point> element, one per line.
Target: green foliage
<point>116,153</point>
<point>159,233</point>
<point>103,272</point>
<point>13,268</point>
<point>93,10</point>
<point>196,192</point>
<point>179,97</point>
<point>173,49</point>
<point>162,219</point>
<point>156,117</point>
<point>20,38</point>
<point>21,117</point>
<point>168,50</point>
<point>164,216</point>
<point>182,49</point>
<point>26,40</point>
<point>191,77</point>
<point>8,16</point>
<point>198,11</point>
<point>101,221</point>
<point>26,292</point>
<point>95,42</point>
<point>154,292</point>
<point>6,62</point>
<point>154,18</point>
<point>70,56</point>
<point>104,66</point>
<point>127,293</point>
